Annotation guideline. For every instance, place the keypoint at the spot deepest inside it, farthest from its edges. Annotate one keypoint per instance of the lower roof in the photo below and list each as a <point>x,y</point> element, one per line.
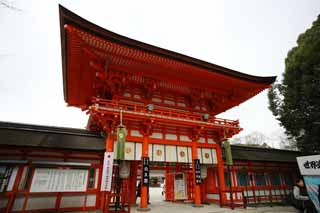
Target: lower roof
<point>28,135</point>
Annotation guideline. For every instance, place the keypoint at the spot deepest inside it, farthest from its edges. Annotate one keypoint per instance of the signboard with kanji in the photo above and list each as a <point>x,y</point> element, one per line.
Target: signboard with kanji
<point>197,171</point>
<point>145,171</point>
<point>107,171</point>
<point>309,165</point>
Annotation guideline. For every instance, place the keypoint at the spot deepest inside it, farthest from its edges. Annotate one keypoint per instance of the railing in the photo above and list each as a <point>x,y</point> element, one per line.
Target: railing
<point>232,202</point>
<point>134,108</point>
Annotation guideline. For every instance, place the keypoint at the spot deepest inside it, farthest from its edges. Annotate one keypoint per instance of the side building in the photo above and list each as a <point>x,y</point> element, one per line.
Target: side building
<point>60,169</point>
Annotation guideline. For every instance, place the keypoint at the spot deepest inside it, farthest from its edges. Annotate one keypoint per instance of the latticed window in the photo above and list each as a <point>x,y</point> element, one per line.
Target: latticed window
<point>260,179</point>
<point>243,179</point>
<point>227,179</point>
<point>275,179</point>
<point>4,177</point>
<point>288,179</point>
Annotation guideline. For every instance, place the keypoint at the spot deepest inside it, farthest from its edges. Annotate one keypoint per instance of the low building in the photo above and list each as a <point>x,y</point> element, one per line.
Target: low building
<point>55,168</point>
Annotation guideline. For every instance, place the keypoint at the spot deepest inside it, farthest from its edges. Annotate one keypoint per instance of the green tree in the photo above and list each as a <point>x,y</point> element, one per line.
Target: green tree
<point>296,100</point>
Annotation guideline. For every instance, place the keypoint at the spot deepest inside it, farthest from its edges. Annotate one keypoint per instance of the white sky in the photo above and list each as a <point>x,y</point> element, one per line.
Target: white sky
<point>249,36</point>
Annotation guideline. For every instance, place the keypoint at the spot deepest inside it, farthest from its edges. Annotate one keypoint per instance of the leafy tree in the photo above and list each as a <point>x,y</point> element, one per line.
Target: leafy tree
<point>296,100</point>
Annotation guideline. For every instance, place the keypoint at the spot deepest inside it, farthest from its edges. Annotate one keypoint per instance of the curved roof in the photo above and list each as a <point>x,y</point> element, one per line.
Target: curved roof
<point>16,134</point>
<point>123,51</point>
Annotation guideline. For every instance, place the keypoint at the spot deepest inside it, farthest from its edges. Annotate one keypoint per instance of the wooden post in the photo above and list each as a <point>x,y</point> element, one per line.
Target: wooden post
<point>196,187</point>
<point>144,188</point>
<point>133,182</point>
<point>223,197</point>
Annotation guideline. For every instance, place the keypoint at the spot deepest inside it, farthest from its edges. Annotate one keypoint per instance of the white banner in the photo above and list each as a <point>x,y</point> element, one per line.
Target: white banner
<point>309,165</point>
<point>107,171</point>
<point>59,180</point>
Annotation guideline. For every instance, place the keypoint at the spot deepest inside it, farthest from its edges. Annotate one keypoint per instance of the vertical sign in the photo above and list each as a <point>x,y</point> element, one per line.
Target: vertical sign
<point>309,167</point>
<point>180,189</point>
<point>107,171</point>
<point>197,170</point>
<point>145,171</point>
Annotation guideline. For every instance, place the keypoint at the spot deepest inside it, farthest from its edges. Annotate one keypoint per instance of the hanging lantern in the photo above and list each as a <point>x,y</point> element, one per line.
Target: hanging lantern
<point>121,139</point>
<point>124,171</point>
<point>228,153</point>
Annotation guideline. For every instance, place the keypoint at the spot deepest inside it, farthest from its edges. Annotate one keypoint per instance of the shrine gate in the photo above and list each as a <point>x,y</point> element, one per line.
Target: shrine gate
<point>167,102</point>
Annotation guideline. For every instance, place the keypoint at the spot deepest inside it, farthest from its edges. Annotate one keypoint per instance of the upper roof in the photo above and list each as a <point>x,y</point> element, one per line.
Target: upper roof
<point>27,135</point>
<point>137,56</point>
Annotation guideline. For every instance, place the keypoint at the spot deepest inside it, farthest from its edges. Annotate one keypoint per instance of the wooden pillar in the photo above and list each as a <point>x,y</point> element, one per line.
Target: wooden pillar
<point>196,187</point>
<point>144,189</point>
<point>220,168</point>
<point>133,182</point>
<point>109,143</point>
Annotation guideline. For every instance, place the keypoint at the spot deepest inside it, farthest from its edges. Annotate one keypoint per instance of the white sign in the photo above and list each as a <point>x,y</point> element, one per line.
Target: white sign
<point>107,171</point>
<point>59,180</point>
<point>180,191</point>
<point>309,165</point>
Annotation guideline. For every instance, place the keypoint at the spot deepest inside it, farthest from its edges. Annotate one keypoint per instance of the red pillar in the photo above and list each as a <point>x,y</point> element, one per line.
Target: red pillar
<point>196,187</point>
<point>144,189</point>
<point>223,197</point>
<point>133,182</point>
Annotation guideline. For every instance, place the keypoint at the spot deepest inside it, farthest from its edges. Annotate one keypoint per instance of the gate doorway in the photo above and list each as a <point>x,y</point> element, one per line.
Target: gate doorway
<point>168,182</point>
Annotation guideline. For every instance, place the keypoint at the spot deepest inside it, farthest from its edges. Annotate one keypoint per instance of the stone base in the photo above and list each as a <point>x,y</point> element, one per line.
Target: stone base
<point>197,206</point>
<point>143,209</point>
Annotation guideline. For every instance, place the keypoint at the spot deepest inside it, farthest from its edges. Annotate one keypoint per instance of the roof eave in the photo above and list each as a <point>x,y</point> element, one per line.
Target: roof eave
<point>68,17</point>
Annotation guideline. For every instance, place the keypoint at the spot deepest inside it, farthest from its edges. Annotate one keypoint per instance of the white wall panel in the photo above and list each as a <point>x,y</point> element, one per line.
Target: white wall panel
<point>171,154</point>
<point>171,137</point>
<point>210,140</point>
<point>213,196</point>
<point>185,138</point>
<point>156,135</point>
<point>150,154</point>
<point>250,193</point>
<point>138,151</point>
<point>18,203</point>
<point>72,201</point>
<point>129,151</point>
<point>91,200</point>
<point>206,156</point>
<point>41,202</point>
<point>135,133</point>
<point>202,140</point>
<point>158,152</point>
<point>214,156</point>
<point>199,155</point>
<point>182,154</point>
<point>189,155</point>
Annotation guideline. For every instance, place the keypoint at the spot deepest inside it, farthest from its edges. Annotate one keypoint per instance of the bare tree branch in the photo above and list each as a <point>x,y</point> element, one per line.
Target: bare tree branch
<point>8,5</point>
